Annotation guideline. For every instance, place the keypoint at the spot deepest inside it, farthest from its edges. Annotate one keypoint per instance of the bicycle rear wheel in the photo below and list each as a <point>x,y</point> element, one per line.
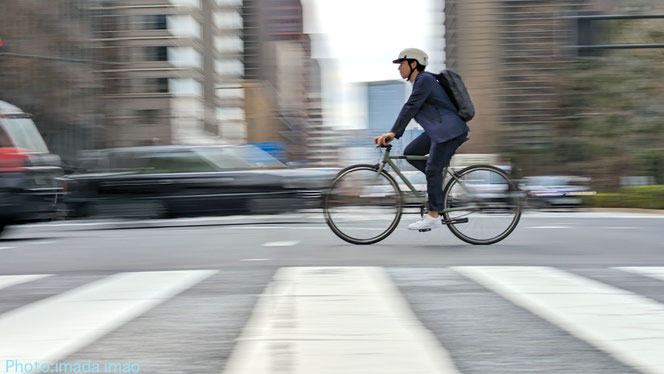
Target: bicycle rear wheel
<point>363,206</point>
<point>482,205</point>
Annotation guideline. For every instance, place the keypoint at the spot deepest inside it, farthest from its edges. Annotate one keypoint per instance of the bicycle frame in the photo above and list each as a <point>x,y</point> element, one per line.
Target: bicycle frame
<point>420,197</point>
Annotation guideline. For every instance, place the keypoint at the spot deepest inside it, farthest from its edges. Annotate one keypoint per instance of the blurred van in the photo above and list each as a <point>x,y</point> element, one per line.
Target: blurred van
<point>29,173</point>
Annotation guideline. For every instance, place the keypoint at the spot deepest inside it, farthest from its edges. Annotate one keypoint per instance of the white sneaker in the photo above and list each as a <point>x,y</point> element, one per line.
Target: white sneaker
<point>427,223</point>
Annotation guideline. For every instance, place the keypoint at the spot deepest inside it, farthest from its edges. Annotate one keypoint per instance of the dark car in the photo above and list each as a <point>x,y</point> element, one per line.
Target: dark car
<point>29,185</point>
<point>172,181</point>
<point>556,190</point>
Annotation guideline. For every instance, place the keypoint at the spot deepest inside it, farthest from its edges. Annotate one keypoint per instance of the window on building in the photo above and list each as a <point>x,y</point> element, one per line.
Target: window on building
<point>230,92</point>
<point>229,43</point>
<point>151,85</point>
<point>186,87</point>
<point>229,67</point>
<point>154,22</point>
<point>103,23</point>
<point>285,27</point>
<point>230,114</point>
<point>184,57</point>
<point>184,26</point>
<point>156,53</point>
<point>147,116</point>
<point>288,12</point>
<point>228,20</point>
<point>187,3</point>
<point>229,2</point>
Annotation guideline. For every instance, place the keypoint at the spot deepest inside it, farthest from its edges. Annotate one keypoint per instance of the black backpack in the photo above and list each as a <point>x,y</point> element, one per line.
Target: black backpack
<point>456,90</point>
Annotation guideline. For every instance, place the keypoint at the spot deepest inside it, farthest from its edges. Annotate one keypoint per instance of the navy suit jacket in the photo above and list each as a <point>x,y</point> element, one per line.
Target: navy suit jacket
<point>432,109</point>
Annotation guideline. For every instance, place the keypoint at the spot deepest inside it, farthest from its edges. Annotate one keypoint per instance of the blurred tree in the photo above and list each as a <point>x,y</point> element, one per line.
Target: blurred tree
<point>611,120</point>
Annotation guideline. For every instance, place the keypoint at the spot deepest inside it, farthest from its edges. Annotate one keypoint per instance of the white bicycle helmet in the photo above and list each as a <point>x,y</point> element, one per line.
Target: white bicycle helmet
<point>413,54</point>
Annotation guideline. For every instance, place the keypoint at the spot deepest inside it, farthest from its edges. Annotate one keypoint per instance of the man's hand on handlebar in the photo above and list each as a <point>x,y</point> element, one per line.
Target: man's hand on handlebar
<point>384,139</point>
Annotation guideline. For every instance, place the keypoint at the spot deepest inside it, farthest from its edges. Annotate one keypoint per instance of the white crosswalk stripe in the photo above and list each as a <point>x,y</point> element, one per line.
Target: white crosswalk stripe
<point>649,271</point>
<point>467,319</point>
<point>12,280</point>
<point>628,326</point>
<point>335,320</point>
<point>57,326</point>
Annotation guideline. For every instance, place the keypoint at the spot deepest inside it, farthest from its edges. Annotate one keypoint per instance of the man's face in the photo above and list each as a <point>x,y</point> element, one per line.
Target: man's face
<point>403,69</point>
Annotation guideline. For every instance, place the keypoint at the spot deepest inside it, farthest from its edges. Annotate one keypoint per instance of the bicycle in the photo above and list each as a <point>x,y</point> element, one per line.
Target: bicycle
<point>476,212</point>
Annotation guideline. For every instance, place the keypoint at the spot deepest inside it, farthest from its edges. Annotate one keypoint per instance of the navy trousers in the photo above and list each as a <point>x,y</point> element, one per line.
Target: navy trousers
<point>440,155</point>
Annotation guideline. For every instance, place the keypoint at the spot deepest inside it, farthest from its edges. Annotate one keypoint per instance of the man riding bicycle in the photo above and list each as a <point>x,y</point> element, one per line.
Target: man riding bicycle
<point>444,130</point>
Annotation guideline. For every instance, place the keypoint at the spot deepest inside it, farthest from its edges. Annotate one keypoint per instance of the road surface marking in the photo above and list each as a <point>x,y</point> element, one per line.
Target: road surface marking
<point>627,326</point>
<point>255,259</point>
<point>649,271</point>
<point>294,227</point>
<point>584,227</point>
<point>12,280</point>
<point>327,320</point>
<point>616,227</point>
<point>281,244</point>
<point>547,227</point>
<point>6,247</point>
<point>57,326</point>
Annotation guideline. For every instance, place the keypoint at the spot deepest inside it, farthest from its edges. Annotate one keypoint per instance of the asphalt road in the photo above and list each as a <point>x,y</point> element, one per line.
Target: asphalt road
<point>542,238</point>
<point>220,267</point>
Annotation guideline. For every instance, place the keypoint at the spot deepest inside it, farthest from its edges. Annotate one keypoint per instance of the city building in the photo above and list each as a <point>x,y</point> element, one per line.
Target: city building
<point>277,60</point>
<point>384,102</point>
<point>47,68</point>
<point>322,141</point>
<point>176,73</point>
<point>508,53</point>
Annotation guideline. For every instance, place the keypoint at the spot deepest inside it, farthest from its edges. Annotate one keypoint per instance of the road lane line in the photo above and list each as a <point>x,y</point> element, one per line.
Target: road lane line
<point>281,244</point>
<point>547,227</point>
<point>656,272</point>
<point>12,280</point>
<point>294,227</point>
<point>56,327</point>
<point>328,320</point>
<point>255,259</point>
<point>627,326</point>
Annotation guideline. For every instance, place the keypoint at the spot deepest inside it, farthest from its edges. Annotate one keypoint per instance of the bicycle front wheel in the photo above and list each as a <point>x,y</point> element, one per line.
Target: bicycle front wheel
<point>363,206</point>
<point>482,205</point>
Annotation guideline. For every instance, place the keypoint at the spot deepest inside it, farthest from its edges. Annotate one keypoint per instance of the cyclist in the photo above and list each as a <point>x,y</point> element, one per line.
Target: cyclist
<point>444,130</point>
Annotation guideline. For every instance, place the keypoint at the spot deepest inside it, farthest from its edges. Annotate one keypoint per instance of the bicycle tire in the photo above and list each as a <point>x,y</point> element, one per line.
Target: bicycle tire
<point>334,223</point>
<point>510,207</point>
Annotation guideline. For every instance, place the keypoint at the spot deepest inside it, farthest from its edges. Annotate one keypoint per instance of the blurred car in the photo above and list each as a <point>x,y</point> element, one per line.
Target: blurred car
<point>488,185</point>
<point>485,185</point>
<point>172,181</point>
<point>29,185</point>
<point>555,190</point>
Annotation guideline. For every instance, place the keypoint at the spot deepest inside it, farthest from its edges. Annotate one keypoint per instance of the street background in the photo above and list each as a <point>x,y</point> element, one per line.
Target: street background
<point>171,220</point>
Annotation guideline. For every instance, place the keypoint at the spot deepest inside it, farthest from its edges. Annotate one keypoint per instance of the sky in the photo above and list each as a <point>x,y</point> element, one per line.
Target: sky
<point>356,41</point>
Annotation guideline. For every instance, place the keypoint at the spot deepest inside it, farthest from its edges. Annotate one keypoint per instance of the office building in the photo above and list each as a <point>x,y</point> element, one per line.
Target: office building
<point>177,71</point>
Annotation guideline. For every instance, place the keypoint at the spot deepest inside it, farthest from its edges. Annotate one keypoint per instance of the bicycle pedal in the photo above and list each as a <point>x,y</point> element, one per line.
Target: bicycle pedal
<point>424,230</point>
